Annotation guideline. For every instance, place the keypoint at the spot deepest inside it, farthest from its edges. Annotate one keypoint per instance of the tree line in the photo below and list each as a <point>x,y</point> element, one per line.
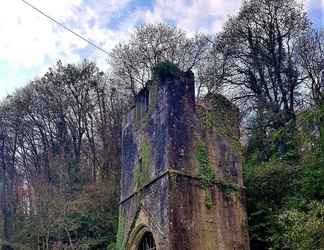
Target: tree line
<point>60,135</point>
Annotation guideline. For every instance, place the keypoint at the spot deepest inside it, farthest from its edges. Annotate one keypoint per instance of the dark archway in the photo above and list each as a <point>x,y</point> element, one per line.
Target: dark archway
<point>147,242</point>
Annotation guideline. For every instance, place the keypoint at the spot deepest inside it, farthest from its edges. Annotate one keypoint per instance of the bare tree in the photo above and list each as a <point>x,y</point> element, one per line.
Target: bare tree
<point>311,55</point>
<point>261,44</point>
<point>261,68</point>
<point>10,130</point>
<point>58,134</point>
<point>151,44</point>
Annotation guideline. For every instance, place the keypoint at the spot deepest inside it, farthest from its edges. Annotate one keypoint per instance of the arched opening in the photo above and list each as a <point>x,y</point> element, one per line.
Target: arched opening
<point>147,242</point>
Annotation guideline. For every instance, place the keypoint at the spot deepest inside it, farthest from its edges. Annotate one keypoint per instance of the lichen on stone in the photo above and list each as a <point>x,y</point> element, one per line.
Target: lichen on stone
<point>153,92</point>
<point>212,119</point>
<point>142,169</point>
<point>208,199</point>
<point>207,176</point>
<point>222,121</point>
<point>228,188</point>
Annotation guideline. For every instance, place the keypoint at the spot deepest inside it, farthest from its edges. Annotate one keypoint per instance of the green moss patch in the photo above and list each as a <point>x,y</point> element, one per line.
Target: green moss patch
<point>207,176</point>
<point>165,70</point>
<point>223,123</point>
<point>143,168</point>
<point>221,120</point>
<point>205,172</point>
<point>208,199</point>
<point>120,233</point>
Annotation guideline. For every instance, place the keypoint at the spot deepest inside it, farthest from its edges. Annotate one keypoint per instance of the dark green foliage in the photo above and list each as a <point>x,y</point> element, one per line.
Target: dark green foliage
<point>267,186</point>
<point>301,229</point>
<point>267,143</point>
<point>285,193</point>
<point>165,70</point>
<point>90,219</point>
<point>7,247</point>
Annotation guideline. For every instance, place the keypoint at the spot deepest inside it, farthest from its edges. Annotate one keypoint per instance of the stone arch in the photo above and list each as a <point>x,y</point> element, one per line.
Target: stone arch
<point>137,236</point>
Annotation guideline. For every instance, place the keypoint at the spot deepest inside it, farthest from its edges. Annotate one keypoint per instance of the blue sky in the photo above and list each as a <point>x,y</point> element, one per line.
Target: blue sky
<point>30,43</point>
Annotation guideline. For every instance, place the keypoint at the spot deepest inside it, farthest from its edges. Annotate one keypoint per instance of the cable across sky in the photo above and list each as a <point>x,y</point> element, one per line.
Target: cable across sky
<point>65,27</point>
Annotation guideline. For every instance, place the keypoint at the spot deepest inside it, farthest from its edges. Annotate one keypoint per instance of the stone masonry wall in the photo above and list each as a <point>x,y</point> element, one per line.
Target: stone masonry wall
<point>181,169</point>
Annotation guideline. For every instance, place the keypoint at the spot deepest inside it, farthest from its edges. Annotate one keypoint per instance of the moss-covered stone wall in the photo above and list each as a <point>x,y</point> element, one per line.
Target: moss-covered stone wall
<point>181,168</point>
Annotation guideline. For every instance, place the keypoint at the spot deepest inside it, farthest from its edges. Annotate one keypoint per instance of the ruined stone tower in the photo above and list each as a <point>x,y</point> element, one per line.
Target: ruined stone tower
<point>181,184</point>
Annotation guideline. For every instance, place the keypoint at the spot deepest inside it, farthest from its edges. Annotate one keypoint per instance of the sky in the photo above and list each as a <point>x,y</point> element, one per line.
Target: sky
<point>30,43</point>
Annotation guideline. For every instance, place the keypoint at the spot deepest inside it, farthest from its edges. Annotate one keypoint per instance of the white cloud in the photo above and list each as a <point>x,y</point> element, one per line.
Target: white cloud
<point>31,43</point>
<point>29,39</point>
<point>193,16</point>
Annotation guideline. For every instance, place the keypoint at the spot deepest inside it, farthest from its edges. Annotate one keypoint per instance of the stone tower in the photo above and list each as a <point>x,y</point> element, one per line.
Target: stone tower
<point>181,184</point>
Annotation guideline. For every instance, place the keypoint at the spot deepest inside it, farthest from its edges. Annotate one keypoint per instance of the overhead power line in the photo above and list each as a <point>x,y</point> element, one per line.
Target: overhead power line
<point>65,27</point>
